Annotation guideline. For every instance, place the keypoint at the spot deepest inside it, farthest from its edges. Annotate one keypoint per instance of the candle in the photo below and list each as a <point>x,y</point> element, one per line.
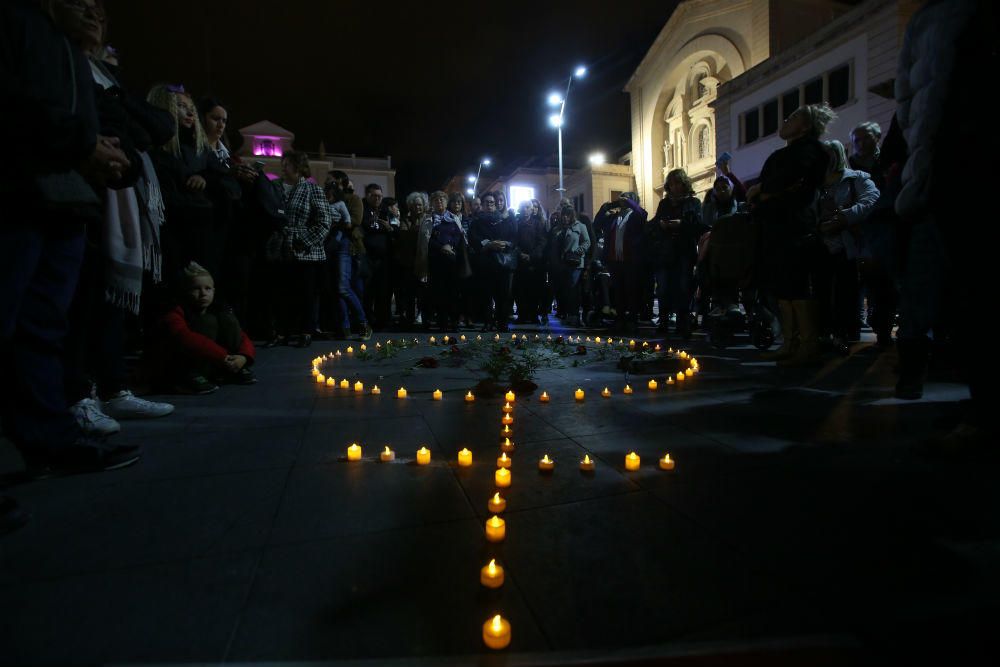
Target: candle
<point>606,393</point>
<point>359,387</point>
<point>546,464</point>
<point>339,354</point>
<point>433,340</point>
<point>506,432</point>
<point>491,575</point>
<point>462,338</point>
<point>588,339</point>
<point>544,398</point>
<point>507,419</point>
<point>657,348</point>
<point>497,503</point>
<point>354,453</point>
<point>631,345</point>
<point>497,337</point>
<point>507,446</point>
<point>469,398</point>
<point>423,456</point>
<point>496,529</point>
<point>509,396</point>
<point>378,346</point>
<point>496,632</point>
<point>513,336</point>
<point>331,382</point>
<point>598,340</point>
<point>653,385</point>
<point>315,371</point>
<point>345,384</point>
<point>376,391</point>
<point>688,373</point>
<point>578,394</point>
<point>437,395</point>
<point>549,337</point>
<point>363,347</point>
<point>680,376</point>
<point>666,463</point>
<point>670,350</point>
<point>320,379</point>
<point>507,407</point>
<point>387,455</point>
<point>401,393</point>
<point>645,345</point>
<point>587,464</point>
<point>465,458</point>
<point>479,337</point>
<point>628,389</point>
<point>502,478</point>
<point>632,461</point>
<point>503,461</point>
<point>350,350</point>
<point>670,379</point>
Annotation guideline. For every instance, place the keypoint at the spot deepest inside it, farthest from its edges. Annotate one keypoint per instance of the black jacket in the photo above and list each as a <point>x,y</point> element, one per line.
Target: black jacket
<point>486,227</point>
<point>664,248</point>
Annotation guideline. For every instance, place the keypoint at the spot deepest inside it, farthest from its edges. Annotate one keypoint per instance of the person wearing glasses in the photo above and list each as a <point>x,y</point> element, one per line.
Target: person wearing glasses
<point>493,238</point>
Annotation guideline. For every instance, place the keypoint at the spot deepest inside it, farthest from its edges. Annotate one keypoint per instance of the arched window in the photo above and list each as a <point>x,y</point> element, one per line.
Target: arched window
<point>704,136</point>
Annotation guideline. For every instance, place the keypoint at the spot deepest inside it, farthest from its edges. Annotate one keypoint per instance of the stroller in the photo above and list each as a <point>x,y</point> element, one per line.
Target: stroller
<point>727,263</point>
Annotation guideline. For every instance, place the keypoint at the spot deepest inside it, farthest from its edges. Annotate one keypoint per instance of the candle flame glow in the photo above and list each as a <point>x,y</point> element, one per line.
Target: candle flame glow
<point>545,459</point>
<point>496,624</point>
<point>495,521</point>
<point>493,567</point>
<point>586,458</point>
<point>496,497</point>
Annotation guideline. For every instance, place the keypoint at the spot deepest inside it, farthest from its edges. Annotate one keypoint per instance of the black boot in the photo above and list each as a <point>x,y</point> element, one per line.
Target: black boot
<point>912,367</point>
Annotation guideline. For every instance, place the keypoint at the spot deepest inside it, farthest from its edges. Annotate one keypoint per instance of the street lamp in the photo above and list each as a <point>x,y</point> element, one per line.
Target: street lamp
<point>485,162</point>
<point>597,159</point>
<point>556,120</point>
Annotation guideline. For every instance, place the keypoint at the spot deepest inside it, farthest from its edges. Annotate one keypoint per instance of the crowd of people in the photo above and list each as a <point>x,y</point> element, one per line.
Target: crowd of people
<point>130,224</point>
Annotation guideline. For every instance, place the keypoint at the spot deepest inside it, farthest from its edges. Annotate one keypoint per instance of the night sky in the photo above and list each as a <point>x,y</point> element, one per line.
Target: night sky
<point>434,84</point>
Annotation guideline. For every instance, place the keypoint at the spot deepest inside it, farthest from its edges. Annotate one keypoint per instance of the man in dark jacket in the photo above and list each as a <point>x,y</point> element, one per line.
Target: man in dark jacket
<point>493,240</point>
<point>529,280</point>
<point>56,157</point>
<point>378,250</point>
<point>621,224</point>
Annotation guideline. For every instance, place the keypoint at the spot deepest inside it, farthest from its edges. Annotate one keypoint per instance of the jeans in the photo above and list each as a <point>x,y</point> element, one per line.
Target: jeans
<point>348,288</point>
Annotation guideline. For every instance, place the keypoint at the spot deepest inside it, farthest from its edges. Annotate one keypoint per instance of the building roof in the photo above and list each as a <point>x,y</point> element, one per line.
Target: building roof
<point>266,128</point>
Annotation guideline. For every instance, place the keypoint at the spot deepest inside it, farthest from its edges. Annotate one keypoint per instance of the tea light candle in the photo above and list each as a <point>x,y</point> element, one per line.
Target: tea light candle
<point>503,461</point>
<point>479,337</point>
<point>666,463</point>
<point>631,345</point>
<point>378,346</point>
<point>433,340</point>
<point>506,432</point>
<point>546,464</point>
<point>469,398</point>
<point>632,461</point>
<point>387,455</point>
<point>496,529</point>
<point>680,376</point>
<point>363,347</point>
<point>376,391</point>
<point>598,340</point>
<point>670,379</point>
<point>507,407</point>
<point>423,456</point>
<point>587,464</point>
<point>497,337</point>
<point>688,373</point>
<point>359,387</point>
<point>331,382</point>
<point>465,458</point>
<point>628,389</point>
<point>544,398</point>
<point>354,452</point>
<point>491,575</point>
<point>315,371</point>
<point>401,393</point>
<point>350,350</point>
<point>502,478</point>
<point>509,396</point>
<point>507,419</point>
<point>514,336</point>
<point>496,632</point>
<point>339,354</point>
<point>437,395</point>
<point>578,394</point>
<point>670,350</point>
<point>653,385</point>
<point>320,378</point>
<point>606,393</point>
<point>645,345</point>
<point>497,503</point>
<point>588,339</point>
<point>462,338</point>
<point>345,384</point>
<point>657,348</point>
<point>507,446</point>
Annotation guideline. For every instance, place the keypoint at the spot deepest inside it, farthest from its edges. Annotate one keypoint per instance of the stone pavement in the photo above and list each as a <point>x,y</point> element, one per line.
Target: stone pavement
<point>804,514</point>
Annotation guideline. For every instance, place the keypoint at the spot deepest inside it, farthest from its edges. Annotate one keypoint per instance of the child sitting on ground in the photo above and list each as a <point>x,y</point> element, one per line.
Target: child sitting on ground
<point>202,344</point>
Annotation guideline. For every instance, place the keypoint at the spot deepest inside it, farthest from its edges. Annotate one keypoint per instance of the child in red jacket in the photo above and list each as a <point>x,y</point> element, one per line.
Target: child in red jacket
<point>204,345</point>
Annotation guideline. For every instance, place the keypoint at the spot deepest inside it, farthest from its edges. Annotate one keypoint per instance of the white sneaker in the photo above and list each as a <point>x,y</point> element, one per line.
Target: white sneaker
<point>92,421</point>
<point>126,405</point>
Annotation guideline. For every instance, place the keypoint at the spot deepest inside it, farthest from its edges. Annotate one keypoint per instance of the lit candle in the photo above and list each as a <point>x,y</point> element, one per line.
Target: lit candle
<point>433,340</point>
<point>423,456</point>
<point>376,391</point>
<point>496,632</point>
<point>680,376</point>
<point>546,464</point>
<point>606,393</point>
<point>549,337</point>
<point>331,382</point>
<point>497,503</point>
<point>345,384</point>
<point>631,345</point>
<point>670,379</point>
<point>359,387</point>
<point>491,575</point>
<point>354,452</point>
<point>387,455</point>
<point>506,432</point>
<point>469,398</point>
<point>437,395</point>
<point>689,372</point>
<point>502,478</point>
<point>598,340</point>
<point>657,348</point>
<point>465,458</point>
<point>544,398</point>
<point>339,354</point>
<point>513,336</point>
<point>509,396</point>
<point>363,347</point>
<point>378,346</point>
<point>587,464</point>
<point>653,385</point>
<point>666,463</point>
<point>320,378</point>
<point>503,461</point>
<point>628,389</point>
<point>507,419</point>
<point>479,337</point>
<point>462,338</point>
<point>401,393</point>
<point>315,371</point>
<point>350,350</point>
<point>496,529</point>
<point>670,350</point>
<point>645,345</point>
<point>632,461</point>
<point>588,339</point>
<point>507,445</point>
<point>621,342</point>
<point>497,337</point>
<point>507,407</point>
<point>578,394</point>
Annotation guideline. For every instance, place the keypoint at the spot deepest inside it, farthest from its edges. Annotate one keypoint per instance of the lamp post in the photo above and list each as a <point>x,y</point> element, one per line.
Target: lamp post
<point>556,120</point>
<point>485,162</point>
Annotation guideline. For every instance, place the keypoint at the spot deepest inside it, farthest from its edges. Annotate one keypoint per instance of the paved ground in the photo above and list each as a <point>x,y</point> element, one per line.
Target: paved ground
<point>803,510</point>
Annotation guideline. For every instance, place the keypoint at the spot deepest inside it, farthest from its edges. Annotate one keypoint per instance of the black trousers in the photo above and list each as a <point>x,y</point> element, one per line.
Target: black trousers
<point>496,284</point>
<point>293,296</point>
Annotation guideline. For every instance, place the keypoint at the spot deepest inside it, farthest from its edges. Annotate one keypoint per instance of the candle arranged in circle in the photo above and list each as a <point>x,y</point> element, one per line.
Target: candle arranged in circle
<point>606,393</point>
<point>423,456</point>
<point>465,457</point>
<point>376,391</point>
<point>689,372</point>
<point>507,446</point>
<point>491,575</point>
<point>496,633</point>
<point>627,390</point>
<point>320,378</point>
<point>462,338</point>
<point>507,419</point>
<point>503,461</point>
<point>578,394</point>
<point>433,340</point>
<point>359,387</point>
<point>666,463</point>
<point>401,393</point>
<point>544,398</point>
<point>653,385</point>
<point>345,384</point>
<point>315,371</point>
<point>469,398</point>
<point>350,350</point>
<point>497,503</point>
<point>331,382</point>
<point>587,464</point>
<point>670,380</point>
<point>506,432</point>
<point>363,347</point>
<point>546,464</point>
<point>632,461</point>
<point>631,344</point>
<point>502,478</point>
<point>680,376</point>
<point>437,395</point>
<point>496,529</point>
<point>387,455</point>
<point>507,407</point>
<point>354,452</point>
